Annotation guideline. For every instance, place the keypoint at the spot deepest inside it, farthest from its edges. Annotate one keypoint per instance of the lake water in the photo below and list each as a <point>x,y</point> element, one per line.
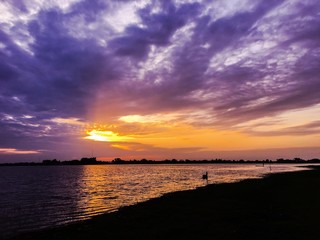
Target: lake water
<point>36,197</point>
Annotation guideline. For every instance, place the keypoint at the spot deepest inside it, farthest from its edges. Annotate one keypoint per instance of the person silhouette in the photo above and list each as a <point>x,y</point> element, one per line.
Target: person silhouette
<point>205,176</point>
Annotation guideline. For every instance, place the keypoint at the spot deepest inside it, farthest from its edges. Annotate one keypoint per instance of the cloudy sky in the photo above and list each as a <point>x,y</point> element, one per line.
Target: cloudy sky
<point>159,79</point>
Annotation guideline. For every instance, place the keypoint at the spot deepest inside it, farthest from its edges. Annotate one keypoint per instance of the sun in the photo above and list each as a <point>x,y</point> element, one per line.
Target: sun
<point>106,136</point>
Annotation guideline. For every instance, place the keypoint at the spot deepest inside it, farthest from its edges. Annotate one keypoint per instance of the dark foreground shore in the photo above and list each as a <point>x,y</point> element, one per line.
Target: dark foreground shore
<point>280,206</point>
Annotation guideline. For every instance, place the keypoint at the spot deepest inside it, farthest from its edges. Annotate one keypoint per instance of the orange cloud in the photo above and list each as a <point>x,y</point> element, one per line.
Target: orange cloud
<point>16,151</point>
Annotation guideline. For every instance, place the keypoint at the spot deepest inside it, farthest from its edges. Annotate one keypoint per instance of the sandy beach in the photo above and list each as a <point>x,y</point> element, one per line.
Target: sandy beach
<point>279,206</point>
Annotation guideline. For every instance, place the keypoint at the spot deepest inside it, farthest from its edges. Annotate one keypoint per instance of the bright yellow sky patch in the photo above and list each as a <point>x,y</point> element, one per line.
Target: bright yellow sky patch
<point>153,118</point>
<point>106,136</point>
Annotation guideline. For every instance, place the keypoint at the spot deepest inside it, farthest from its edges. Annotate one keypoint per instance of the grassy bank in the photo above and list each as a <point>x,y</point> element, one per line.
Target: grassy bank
<point>280,206</point>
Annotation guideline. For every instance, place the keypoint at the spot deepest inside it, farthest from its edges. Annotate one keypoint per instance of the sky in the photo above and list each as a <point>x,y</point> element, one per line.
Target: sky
<point>184,79</point>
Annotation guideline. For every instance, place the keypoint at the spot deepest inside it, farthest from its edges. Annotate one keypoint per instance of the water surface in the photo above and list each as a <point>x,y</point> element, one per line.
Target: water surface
<point>35,197</point>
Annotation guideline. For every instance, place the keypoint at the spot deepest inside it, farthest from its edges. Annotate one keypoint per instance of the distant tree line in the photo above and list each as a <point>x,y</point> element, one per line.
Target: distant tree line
<point>82,161</point>
<point>187,161</point>
<point>94,161</point>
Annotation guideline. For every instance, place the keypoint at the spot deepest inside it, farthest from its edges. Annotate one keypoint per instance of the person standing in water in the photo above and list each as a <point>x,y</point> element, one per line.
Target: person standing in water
<point>205,177</point>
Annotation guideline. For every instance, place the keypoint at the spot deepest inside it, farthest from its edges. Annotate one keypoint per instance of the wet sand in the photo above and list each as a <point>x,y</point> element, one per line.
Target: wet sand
<point>279,206</point>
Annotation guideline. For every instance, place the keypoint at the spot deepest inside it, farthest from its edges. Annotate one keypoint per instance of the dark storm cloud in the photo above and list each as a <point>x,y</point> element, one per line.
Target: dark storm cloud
<point>28,132</point>
<point>71,67</point>
<point>224,31</point>
<point>190,62</point>
<point>62,73</point>
<point>157,29</point>
<point>240,92</point>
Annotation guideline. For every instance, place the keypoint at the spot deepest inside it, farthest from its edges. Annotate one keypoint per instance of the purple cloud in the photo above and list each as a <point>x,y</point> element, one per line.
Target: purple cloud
<point>237,62</point>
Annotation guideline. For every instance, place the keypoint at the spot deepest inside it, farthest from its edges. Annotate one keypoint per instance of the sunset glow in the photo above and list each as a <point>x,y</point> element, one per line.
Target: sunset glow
<point>16,151</point>
<point>106,136</point>
<point>160,79</point>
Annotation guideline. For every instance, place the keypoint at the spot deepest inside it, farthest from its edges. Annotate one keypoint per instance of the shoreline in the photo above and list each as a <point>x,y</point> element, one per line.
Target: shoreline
<point>94,161</point>
<point>277,206</point>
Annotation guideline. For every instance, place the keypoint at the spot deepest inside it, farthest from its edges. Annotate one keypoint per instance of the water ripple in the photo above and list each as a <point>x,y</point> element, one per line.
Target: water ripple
<point>45,196</point>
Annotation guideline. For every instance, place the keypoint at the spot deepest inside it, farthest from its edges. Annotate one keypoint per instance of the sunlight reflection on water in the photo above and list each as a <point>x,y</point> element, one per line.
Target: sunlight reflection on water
<point>45,196</point>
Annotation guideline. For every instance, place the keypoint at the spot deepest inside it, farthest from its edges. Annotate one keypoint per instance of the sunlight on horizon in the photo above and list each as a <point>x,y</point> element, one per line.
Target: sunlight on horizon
<point>106,136</point>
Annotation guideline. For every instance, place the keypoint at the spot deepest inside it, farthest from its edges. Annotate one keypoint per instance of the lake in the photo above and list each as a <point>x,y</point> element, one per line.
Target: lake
<point>37,197</point>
